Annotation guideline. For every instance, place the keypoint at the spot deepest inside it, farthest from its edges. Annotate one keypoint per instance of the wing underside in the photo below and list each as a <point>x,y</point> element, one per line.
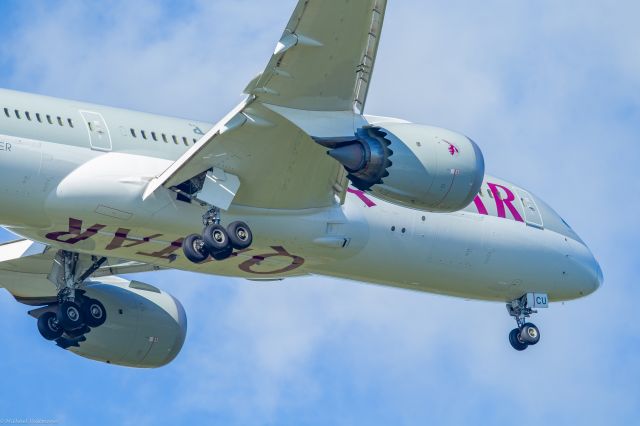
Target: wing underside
<point>25,266</point>
<point>322,64</point>
<point>325,57</point>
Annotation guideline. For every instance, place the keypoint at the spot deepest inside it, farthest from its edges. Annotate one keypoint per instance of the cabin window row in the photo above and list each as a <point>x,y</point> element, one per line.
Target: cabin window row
<point>161,137</point>
<point>40,118</point>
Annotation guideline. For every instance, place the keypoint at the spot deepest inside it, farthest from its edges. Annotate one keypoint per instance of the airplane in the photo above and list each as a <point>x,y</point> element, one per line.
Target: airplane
<point>296,180</point>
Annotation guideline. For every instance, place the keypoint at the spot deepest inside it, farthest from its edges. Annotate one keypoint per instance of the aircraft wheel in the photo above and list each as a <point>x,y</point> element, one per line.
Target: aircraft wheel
<point>194,249</point>
<point>70,316</point>
<point>514,339</point>
<point>529,334</point>
<point>240,235</point>
<point>49,327</point>
<point>94,312</point>
<point>222,254</point>
<point>215,238</point>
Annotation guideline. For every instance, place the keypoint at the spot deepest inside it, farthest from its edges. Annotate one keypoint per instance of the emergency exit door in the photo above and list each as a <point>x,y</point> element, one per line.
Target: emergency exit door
<point>99,137</point>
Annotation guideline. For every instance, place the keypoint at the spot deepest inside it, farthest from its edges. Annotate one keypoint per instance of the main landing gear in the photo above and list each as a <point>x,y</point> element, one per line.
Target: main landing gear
<point>526,334</point>
<point>74,314</point>
<point>216,240</point>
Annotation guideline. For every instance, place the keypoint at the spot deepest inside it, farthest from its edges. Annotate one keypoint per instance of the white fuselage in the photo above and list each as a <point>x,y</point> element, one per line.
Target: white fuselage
<point>75,188</point>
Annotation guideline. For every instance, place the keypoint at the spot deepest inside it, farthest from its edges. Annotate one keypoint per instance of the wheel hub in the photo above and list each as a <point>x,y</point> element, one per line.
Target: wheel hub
<point>73,314</point>
<point>53,324</point>
<point>96,312</point>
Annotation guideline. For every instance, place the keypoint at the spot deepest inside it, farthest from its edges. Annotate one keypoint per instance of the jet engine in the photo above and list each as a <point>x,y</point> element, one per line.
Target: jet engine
<point>145,327</point>
<point>416,166</point>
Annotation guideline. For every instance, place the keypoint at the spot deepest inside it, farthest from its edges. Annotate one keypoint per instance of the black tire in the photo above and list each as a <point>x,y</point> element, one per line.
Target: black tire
<point>194,249</point>
<point>215,238</point>
<point>514,339</point>
<point>529,334</point>
<point>70,315</point>
<point>49,327</point>
<point>240,235</point>
<point>78,332</point>
<point>94,312</point>
<point>222,254</point>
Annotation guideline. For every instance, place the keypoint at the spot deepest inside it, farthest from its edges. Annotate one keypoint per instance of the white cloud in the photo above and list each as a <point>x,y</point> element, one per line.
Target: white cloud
<point>549,90</point>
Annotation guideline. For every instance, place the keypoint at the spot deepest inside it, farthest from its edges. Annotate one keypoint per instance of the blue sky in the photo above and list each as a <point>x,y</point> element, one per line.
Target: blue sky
<point>551,92</point>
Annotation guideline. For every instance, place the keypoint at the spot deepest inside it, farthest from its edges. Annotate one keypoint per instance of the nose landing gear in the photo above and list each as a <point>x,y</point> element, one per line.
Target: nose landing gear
<point>526,334</point>
<point>216,241</point>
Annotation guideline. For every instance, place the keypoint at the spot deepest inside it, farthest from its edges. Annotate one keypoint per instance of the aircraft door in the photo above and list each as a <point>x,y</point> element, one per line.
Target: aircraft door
<point>532,215</point>
<point>99,136</point>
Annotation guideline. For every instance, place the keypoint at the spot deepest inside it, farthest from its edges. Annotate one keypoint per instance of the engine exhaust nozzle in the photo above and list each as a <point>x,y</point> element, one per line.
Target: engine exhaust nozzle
<point>351,156</point>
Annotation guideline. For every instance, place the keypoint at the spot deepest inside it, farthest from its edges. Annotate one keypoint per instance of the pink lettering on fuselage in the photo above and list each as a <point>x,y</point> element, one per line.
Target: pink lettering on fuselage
<point>75,234</point>
<point>122,240</point>
<point>480,205</point>
<point>296,262</point>
<point>501,201</point>
<point>360,194</point>
<point>502,196</point>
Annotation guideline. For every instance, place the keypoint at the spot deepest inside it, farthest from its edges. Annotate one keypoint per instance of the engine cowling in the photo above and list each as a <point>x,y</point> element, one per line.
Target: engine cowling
<point>417,166</point>
<point>145,327</point>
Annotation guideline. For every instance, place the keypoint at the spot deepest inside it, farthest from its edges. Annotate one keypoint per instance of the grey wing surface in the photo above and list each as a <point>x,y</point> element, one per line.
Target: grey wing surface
<point>322,64</point>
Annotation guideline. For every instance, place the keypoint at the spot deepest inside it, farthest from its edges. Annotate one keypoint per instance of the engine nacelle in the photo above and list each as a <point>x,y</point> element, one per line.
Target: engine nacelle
<point>417,166</point>
<point>145,326</point>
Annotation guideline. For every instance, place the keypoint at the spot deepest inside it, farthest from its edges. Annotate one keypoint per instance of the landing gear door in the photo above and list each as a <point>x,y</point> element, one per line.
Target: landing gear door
<point>99,137</point>
<point>531,212</point>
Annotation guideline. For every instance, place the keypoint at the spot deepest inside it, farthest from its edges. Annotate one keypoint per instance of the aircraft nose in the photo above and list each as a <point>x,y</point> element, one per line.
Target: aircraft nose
<point>588,273</point>
<point>600,275</point>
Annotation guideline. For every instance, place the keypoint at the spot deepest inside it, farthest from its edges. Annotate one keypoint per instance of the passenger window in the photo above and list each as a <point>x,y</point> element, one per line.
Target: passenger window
<point>60,121</point>
<point>133,133</point>
<point>70,122</point>
<point>38,117</point>
<point>164,138</point>
<point>17,114</point>
<point>184,139</point>
<point>153,136</point>
<point>6,112</point>
<point>26,114</point>
<point>90,124</point>
<point>144,135</point>
<point>49,119</point>
<point>490,193</point>
<point>175,140</point>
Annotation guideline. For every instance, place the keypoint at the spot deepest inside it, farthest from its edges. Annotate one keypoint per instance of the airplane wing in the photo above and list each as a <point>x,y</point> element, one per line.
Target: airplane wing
<point>25,266</point>
<point>325,56</point>
<point>262,154</point>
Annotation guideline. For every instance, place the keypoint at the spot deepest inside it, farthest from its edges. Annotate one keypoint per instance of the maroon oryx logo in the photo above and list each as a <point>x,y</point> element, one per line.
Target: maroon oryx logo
<point>453,150</point>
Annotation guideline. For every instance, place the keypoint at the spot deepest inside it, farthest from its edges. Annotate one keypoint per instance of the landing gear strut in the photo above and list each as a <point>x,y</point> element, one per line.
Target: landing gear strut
<point>74,314</point>
<point>526,334</point>
<point>216,240</point>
